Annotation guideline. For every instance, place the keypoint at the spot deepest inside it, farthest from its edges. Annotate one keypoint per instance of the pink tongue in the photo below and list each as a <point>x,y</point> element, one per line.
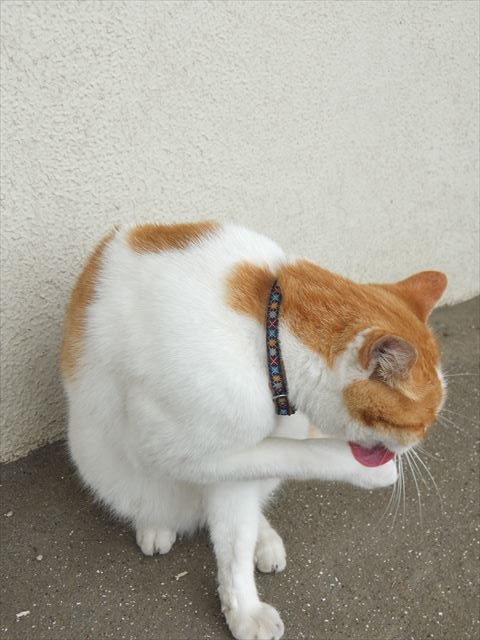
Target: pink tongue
<point>371,457</point>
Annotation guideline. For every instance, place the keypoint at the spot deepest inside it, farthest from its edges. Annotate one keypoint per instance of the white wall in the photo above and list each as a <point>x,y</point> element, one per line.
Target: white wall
<point>347,131</point>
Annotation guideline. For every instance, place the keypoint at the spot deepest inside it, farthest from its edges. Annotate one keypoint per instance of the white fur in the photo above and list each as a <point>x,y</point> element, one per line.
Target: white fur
<point>171,422</point>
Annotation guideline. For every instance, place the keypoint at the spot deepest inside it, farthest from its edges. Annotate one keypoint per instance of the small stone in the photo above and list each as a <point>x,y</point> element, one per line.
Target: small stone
<point>180,575</point>
<point>9,514</point>
<point>39,557</point>
<point>21,614</point>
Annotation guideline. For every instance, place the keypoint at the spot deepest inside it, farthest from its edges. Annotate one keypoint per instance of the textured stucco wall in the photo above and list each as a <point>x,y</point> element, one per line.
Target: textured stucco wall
<point>347,131</point>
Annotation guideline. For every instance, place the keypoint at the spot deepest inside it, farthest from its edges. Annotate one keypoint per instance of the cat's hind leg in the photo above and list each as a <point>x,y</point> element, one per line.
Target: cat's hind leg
<point>153,539</point>
<point>270,555</point>
<point>165,509</point>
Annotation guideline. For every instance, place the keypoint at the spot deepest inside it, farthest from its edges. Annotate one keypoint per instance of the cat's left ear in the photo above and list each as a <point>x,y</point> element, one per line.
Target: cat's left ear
<point>422,291</point>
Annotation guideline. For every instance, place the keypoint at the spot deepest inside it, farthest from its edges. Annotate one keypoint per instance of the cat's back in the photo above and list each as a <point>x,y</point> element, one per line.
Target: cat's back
<point>147,287</point>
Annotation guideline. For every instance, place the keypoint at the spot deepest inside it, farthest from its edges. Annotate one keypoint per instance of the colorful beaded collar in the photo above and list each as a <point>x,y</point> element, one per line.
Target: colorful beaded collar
<point>276,370</point>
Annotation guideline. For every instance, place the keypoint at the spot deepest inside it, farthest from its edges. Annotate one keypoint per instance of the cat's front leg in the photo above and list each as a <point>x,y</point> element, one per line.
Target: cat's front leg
<point>316,459</point>
<point>233,514</point>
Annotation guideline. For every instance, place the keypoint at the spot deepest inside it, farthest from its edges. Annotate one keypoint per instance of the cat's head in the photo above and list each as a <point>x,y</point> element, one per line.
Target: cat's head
<point>383,382</point>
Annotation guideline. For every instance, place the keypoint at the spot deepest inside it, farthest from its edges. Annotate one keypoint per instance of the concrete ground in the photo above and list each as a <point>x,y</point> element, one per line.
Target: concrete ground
<point>70,572</point>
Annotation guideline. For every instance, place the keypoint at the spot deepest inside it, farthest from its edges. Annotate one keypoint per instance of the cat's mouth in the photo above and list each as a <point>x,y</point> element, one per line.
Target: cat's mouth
<point>373,457</point>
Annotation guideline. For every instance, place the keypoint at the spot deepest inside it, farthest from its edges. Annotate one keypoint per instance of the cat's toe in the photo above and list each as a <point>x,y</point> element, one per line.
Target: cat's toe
<point>377,477</point>
<point>262,622</point>
<point>152,540</point>
<point>270,556</point>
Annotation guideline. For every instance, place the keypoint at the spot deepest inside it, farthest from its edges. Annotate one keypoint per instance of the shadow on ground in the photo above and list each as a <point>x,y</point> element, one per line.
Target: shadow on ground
<point>350,574</point>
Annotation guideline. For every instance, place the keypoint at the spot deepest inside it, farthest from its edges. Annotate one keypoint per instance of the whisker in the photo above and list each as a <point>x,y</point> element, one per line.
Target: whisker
<point>449,423</point>
<point>420,474</point>
<point>397,503</point>
<point>461,415</point>
<point>396,488</point>
<point>416,454</point>
<point>440,420</point>
<point>390,502</point>
<point>424,452</point>
<point>387,507</point>
<point>454,375</point>
<point>418,490</point>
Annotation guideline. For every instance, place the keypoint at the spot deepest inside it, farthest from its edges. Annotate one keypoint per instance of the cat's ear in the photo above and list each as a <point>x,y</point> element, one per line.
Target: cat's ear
<point>388,358</point>
<point>422,291</point>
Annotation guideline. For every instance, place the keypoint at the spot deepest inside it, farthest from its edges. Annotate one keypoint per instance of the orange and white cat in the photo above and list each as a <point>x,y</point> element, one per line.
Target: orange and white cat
<point>171,418</point>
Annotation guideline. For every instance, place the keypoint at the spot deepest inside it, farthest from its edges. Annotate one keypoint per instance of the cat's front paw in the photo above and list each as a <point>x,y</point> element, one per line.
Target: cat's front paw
<point>261,622</point>
<point>376,477</point>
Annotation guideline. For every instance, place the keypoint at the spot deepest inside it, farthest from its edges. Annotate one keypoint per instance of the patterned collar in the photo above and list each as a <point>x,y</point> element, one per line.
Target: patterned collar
<point>276,370</point>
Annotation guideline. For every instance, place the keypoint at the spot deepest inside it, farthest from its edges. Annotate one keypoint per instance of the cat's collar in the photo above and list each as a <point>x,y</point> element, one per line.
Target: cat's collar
<point>276,370</point>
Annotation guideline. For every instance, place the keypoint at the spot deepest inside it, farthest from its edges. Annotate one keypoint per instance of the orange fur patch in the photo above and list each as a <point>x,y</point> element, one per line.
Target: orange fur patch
<point>390,411</point>
<point>248,287</point>
<point>151,238</point>
<point>80,298</point>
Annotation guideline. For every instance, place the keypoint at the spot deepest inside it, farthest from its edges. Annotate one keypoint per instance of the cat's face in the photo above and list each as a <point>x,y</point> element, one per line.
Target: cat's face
<point>383,360</point>
<point>401,390</point>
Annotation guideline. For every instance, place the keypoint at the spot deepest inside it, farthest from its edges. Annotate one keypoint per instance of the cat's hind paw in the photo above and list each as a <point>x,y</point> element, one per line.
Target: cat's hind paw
<point>270,556</point>
<point>152,540</point>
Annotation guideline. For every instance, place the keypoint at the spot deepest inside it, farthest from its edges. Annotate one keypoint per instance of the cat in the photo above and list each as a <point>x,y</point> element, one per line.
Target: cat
<point>171,368</point>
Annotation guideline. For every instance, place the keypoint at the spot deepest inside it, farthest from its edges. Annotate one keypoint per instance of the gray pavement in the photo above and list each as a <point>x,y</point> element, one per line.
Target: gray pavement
<point>350,573</point>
